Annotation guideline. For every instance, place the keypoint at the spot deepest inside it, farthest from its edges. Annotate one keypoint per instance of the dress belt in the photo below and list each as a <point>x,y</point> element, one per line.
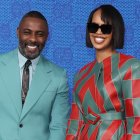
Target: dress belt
<point>94,118</point>
<point>105,116</point>
<point>91,119</point>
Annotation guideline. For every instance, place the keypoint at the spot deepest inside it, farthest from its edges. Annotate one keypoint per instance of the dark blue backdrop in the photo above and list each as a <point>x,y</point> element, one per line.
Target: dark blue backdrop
<point>67,23</point>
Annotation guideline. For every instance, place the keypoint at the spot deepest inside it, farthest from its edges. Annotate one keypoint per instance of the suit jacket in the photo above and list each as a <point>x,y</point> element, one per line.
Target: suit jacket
<point>46,109</point>
<point>106,100</point>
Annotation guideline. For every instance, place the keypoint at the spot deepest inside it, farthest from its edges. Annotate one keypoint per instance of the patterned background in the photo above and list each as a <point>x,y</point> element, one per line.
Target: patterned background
<point>67,24</point>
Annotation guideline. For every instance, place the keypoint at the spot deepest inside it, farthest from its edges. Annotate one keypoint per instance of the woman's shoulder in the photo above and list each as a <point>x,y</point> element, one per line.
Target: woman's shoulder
<point>129,66</point>
<point>125,57</point>
<point>87,66</point>
<point>127,60</point>
<point>84,71</point>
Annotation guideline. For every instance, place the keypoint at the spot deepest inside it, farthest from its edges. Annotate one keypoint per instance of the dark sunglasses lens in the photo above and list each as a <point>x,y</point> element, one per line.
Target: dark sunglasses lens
<point>92,27</point>
<point>106,29</point>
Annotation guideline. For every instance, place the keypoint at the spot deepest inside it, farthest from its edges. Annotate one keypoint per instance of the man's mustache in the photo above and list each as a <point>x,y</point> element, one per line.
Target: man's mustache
<point>31,44</point>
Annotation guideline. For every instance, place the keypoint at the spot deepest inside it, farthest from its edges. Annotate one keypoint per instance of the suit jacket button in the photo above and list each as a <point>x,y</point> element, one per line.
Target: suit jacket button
<point>20,125</point>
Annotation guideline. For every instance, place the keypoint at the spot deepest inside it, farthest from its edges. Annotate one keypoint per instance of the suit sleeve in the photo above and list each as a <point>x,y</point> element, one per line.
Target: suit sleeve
<point>75,121</point>
<point>60,111</point>
<point>131,92</point>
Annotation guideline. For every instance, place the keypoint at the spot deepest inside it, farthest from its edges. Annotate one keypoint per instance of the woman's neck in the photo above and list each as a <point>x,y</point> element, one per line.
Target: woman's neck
<point>101,55</point>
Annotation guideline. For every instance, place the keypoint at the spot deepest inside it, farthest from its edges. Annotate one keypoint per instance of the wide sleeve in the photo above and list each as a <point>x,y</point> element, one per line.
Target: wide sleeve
<point>131,93</point>
<point>75,121</point>
<point>60,111</point>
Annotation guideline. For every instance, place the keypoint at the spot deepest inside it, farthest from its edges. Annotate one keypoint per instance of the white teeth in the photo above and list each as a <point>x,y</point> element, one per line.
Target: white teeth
<point>99,39</point>
<point>32,47</point>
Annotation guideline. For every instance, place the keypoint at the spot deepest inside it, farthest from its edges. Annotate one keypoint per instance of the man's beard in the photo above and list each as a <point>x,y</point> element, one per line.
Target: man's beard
<point>23,48</point>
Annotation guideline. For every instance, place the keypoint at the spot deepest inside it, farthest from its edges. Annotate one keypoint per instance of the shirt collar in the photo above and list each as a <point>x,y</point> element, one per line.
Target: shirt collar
<point>22,61</point>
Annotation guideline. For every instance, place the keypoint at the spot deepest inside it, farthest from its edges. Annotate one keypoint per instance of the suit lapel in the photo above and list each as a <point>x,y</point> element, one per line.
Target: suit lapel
<point>40,81</point>
<point>10,73</point>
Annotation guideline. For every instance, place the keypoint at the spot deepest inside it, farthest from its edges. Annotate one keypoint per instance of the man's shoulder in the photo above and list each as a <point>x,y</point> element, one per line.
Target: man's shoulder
<point>8,55</point>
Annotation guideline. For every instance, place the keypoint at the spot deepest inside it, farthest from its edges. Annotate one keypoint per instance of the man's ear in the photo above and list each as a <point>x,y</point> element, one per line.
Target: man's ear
<point>17,31</point>
<point>47,36</point>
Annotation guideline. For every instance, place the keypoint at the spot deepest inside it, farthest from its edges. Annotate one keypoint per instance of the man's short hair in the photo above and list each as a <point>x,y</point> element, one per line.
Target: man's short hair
<point>34,14</point>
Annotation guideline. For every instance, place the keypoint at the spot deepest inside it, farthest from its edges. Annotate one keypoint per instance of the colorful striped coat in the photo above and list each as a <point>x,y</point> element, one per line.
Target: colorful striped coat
<point>106,100</point>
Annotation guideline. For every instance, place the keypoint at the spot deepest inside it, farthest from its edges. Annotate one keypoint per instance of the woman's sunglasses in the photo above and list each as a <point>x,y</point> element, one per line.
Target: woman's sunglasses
<point>105,28</point>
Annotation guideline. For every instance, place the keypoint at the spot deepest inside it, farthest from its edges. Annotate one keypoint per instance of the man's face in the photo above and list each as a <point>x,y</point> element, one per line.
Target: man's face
<point>32,34</point>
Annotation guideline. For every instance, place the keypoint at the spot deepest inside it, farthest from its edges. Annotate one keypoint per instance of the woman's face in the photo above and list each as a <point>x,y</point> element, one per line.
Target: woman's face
<point>100,40</point>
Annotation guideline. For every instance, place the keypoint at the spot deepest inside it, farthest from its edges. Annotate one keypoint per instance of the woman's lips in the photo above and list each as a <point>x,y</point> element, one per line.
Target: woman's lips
<point>99,39</point>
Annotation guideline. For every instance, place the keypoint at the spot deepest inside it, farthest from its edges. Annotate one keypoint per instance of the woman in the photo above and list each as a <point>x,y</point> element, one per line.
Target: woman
<point>106,92</point>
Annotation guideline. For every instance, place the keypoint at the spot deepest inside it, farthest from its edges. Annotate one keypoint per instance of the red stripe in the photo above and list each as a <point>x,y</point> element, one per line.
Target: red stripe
<point>68,125</point>
<point>95,132</point>
<point>128,75</point>
<point>109,85</point>
<point>85,87</point>
<point>78,134</point>
<point>129,137</point>
<point>84,134</point>
<point>75,112</point>
<point>125,134</point>
<point>129,108</point>
<point>99,99</point>
<point>85,137</point>
<point>70,137</point>
<point>136,126</point>
<point>123,59</point>
<point>88,65</point>
<point>110,131</point>
<point>136,88</point>
<point>85,74</point>
<point>123,137</point>
<point>90,85</point>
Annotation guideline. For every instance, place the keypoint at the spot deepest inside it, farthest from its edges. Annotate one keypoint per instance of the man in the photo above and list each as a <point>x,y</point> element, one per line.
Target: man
<point>33,100</point>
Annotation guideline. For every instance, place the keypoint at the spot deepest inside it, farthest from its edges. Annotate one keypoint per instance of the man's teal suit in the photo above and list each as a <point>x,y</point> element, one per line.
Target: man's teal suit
<point>46,109</point>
